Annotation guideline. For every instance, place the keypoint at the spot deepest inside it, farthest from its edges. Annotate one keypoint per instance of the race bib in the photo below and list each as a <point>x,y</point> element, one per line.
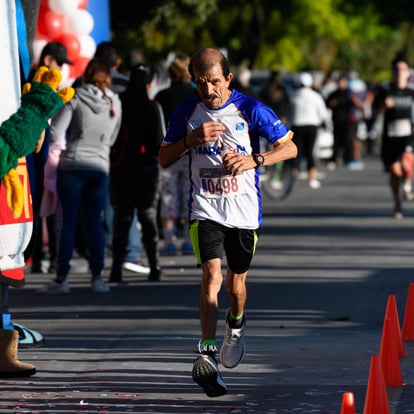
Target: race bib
<point>216,182</point>
<point>399,128</point>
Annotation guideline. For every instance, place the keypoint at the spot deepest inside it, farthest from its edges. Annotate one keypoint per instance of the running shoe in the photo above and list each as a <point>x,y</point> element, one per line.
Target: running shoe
<point>233,347</point>
<point>55,288</point>
<point>206,374</point>
<point>398,213</point>
<point>136,268</point>
<point>355,165</point>
<point>314,184</point>
<point>99,286</point>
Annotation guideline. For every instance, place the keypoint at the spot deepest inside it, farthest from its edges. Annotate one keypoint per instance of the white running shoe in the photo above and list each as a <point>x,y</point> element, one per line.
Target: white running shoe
<point>136,268</point>
<point>314,184</point>
<point>99,286</point>
<point>55,288</point>
<point>206,374</point>
<point>233,347</point>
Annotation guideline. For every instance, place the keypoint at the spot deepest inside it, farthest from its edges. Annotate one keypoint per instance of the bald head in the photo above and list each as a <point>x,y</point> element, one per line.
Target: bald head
<point>204,59</point>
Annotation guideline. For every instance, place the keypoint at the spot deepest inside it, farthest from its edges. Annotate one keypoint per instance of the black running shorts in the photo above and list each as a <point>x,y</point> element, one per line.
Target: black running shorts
<point>392,149</point>
<point>212,241</point>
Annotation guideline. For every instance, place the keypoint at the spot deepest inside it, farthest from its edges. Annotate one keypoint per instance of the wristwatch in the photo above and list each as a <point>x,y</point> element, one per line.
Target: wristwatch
<point>258,159</point>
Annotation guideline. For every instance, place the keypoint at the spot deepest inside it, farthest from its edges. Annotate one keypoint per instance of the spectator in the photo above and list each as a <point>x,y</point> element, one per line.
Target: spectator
<point>108,53</point>
<point>329,84</point>
<point>309,113</point>
<point>358,94</point>
<point>135,173</point>
<point>339,101</point>
<point>89,124</point>
<point>132,58</point>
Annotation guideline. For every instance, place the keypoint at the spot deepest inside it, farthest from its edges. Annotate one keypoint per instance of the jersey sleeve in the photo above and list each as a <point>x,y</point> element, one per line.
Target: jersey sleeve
<point>267,124</point>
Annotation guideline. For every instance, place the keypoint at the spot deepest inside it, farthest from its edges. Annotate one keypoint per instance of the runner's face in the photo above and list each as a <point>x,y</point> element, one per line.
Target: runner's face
<point>402,73</point>
<point>213,87</point>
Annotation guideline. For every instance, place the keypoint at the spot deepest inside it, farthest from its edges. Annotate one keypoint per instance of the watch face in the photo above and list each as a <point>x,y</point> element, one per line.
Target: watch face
<point>259,159</point>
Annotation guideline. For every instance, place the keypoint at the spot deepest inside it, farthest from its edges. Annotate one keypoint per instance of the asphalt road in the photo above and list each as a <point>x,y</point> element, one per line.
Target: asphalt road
<point>326,264</point>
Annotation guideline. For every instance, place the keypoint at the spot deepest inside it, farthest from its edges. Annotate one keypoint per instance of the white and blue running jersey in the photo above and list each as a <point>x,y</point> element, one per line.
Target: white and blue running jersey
<point>233,201</point>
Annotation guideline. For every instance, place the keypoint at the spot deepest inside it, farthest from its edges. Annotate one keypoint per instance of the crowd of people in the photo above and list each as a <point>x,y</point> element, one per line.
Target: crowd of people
<point>108,138</point>
<point>364,119</point>
<point>145,203</point>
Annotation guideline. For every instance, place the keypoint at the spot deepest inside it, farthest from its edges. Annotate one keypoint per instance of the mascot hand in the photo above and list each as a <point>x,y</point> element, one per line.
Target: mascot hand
<point>51,78</point>
<point>39,103</point>
<point>20,133</point>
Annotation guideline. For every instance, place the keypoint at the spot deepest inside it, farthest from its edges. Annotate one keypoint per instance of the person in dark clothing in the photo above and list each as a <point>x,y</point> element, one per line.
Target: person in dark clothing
<point>135,172</point>
<point>339,101</point>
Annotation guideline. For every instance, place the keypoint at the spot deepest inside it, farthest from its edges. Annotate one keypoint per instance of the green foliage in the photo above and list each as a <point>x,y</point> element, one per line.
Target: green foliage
<point>291,35</point>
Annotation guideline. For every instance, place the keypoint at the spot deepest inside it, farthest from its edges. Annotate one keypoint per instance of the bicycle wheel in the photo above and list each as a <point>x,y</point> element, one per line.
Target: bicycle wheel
<point>278,180</point>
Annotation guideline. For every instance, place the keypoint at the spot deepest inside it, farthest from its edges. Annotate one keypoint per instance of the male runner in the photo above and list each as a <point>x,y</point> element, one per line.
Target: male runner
<point>225,211</point>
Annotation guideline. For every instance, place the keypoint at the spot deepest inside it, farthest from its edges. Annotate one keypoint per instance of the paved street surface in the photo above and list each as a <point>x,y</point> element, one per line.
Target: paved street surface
<point>326,264</point>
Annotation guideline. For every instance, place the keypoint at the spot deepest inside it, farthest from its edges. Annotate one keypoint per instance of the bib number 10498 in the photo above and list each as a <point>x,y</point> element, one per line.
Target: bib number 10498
<point>222,186</point>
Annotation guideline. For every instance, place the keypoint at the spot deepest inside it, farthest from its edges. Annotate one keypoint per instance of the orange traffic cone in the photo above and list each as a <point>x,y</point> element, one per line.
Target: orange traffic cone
<point>348,403</point>
<point>408,324</point>
<point>390,360</point>
<point>392,313</point>
<point>376,399</point>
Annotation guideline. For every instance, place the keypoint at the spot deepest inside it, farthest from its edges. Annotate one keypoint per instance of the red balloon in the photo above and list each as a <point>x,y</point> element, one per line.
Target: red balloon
<point>50,24</point>
<point>83,4</point>
<point>78,67</point>
<point>72,45</point>
<point>41,24</point>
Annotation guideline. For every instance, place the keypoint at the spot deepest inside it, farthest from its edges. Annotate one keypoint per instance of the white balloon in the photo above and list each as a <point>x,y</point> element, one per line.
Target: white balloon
<point>80,22</point>
<point>63,6</point>
<point>38,45</point>
<point>87,46</point>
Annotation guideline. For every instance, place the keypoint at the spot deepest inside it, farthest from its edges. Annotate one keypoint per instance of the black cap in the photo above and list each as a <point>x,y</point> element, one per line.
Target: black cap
<point>58,51</point>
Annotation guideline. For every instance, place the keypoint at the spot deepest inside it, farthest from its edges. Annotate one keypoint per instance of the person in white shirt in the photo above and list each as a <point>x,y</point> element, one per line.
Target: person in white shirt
<point>309,113</point>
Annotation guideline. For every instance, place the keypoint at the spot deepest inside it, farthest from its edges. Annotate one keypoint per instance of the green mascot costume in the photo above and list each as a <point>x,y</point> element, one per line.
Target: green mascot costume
<point>20,135</point>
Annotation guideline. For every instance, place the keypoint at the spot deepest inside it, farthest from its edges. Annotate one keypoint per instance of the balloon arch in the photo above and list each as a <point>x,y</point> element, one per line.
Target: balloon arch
<point>68,22</point>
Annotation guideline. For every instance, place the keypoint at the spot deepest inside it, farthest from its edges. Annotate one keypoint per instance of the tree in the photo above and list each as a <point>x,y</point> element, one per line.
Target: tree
<point>291,35</point>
